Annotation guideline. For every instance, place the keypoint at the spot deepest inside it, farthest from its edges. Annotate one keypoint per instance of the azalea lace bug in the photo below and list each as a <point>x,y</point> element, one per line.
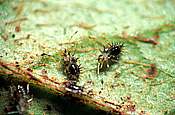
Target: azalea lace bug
<point>69,66</point>
<point>20,100</point>
<point>109,55</point>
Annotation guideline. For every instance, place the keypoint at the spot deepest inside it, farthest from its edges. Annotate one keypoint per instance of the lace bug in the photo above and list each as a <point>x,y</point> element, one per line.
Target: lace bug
<point>69,66</point>
<point>20,100</point>
<point>109,55</point>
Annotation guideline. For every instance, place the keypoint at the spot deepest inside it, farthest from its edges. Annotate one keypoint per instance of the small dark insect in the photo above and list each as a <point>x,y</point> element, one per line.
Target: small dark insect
<point>118,107</point>
<point>109,55</point>
<point>19,100</point>
<point>142,112</point>
<point>102,81</point>
<point>166,112</point>
<point>69,64</point>
<point>70,67</point>
<point>29,69</point>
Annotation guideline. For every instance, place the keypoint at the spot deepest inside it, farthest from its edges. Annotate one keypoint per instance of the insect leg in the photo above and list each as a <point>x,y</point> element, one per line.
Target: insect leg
<point>27,88</point>
<point>107,64</point>
<point>12,112</point>
<point>116,61</point>
<point>98,69</point>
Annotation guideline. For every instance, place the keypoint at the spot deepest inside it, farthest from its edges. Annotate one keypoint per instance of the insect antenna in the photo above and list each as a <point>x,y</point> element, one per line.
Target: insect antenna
<point>70,40</point>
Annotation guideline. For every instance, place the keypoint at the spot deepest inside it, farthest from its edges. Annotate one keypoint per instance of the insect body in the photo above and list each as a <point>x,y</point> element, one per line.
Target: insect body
<point>20,100</point>
<point>115,50</point>
<point>69,66</point>
<point>109,55</point>
<point>73,71</point>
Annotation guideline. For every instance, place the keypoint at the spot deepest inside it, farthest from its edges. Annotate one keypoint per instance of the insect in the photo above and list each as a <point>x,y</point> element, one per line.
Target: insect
<point>69,66</point>
<point>20,100</point>
<point>109,55</point>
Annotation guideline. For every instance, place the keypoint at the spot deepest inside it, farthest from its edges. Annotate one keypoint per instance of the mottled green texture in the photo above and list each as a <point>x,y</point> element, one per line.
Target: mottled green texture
<point>107,19</point>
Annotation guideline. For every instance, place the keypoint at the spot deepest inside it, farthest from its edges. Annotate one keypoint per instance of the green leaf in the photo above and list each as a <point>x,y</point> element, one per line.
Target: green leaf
<point>46,25</point>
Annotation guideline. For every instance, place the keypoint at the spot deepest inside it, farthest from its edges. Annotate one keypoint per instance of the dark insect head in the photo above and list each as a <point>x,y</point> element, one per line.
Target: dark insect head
<point>104,56</point>
<point>65,53</point>
<point>73,59</point>
<point>68,58</point>
<point>66,63</point>
<point>105,50</point>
